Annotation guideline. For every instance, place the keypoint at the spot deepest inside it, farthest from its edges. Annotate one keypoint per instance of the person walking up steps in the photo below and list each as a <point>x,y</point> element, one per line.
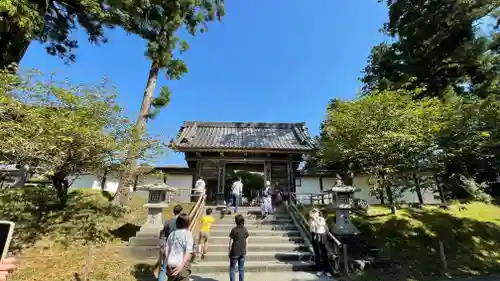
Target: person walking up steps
<point>238,244</point>
<point>168,227</point>
<point>237,192</point>
<point>178,250</point>
<point>206,225</point>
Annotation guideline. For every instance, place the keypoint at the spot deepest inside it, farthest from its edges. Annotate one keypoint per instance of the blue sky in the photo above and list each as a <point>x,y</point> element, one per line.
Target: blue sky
<point>268,61</point>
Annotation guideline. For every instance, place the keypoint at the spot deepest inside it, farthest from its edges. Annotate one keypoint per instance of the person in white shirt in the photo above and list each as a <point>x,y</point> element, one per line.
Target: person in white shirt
<point>178,250</point>
<point>199,186</point>
<point>237,191</point>
<point>318,228</point>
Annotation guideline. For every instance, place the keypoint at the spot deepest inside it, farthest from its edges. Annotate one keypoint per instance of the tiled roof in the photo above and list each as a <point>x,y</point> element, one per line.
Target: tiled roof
<point>236,136</point>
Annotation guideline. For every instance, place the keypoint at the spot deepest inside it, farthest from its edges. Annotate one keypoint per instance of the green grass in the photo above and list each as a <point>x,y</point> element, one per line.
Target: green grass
<point>409,240</point>
<point>53,244</point>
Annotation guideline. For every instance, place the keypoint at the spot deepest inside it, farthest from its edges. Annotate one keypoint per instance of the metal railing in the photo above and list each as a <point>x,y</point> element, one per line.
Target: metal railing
<point>335,248</point>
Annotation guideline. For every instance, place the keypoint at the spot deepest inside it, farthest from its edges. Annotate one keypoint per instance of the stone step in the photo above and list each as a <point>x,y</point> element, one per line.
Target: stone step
<point>261,256</point>
<point>255,226</point>
<point>144,241</point>
<point>252,215</point>
<point>259,239</point>
<point>249,221</point>
<point>260,232</point>
<point>286,247</point>
<point>142,252</point>
<point>254,266</point>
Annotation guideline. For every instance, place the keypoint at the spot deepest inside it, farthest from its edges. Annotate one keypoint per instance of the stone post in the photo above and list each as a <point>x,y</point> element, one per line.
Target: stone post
<point>343,203</point>
<point>146,242</point>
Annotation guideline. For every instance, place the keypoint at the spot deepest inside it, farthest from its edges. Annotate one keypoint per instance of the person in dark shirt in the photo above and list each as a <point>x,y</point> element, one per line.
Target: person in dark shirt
<point>238,244</point>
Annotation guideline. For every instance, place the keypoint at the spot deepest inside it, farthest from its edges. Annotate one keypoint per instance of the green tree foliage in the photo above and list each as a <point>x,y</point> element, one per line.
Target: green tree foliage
<point>68,130</point>
<point>158,23</point>
<point>252,182</point>
<point>450,145</point>
<point>381,134</point>
<point>51,23</point>
<point>471,139</point>
<point>435,45</point>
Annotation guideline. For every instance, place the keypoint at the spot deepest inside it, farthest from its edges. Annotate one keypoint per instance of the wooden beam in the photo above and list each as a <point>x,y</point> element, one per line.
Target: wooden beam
<point>241,159</point>
<point>240,150</point>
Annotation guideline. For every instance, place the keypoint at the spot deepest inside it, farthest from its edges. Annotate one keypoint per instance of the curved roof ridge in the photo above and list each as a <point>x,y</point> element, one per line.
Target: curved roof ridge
<point>243,136</point>
<point>244,124</point>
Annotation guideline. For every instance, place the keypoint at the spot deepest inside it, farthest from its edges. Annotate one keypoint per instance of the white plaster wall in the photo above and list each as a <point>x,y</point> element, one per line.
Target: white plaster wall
<point>94,182</point>
<point>86,181</point>
<point>311,185</point>
<point>182,182</point>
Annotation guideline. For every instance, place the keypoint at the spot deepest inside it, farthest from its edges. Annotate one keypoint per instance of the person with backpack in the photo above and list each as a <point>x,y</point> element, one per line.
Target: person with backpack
<point>179,250</point>
<point>168,227</point>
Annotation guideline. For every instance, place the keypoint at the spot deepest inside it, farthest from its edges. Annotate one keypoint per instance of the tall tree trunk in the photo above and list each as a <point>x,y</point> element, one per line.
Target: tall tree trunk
<point>417,189</point>
<point>127,178</point>
<point>441,191</point>
<point>390,197</point>
<point>381,193</point>
<point>104,179</point>
<point>13,44</point>
<point>61,184</point>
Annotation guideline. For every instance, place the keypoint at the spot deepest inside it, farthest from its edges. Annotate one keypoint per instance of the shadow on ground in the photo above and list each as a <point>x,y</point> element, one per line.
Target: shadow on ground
<point>143,272</point>
<point>411,244</point>
<point>126,231</point>
<point>37,213</point>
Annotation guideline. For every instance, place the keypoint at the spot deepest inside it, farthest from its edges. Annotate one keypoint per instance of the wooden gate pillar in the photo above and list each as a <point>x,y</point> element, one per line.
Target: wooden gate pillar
<point>221,181</point>
<point>291,180</point>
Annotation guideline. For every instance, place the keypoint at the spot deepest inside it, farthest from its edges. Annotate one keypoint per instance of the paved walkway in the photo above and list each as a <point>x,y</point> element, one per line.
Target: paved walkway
<point>263,276</point>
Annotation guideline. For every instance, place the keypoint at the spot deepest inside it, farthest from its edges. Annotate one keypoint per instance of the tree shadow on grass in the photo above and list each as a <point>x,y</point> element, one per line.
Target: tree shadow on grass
<point>126,231</point>
<point>37,213</point>
<point>411,244</point>
<point>143,272</point>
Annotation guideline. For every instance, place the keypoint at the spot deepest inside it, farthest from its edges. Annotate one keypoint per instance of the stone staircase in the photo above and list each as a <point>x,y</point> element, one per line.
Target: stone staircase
<point>275,244</point>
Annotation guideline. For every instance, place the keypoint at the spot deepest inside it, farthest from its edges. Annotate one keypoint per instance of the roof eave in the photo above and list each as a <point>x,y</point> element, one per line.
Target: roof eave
<point>263,150</point>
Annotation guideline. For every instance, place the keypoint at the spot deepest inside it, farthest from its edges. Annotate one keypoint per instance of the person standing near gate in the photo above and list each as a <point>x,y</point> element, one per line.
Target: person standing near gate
<point>199,188</point>
<point>267,207</point>
<point>237,192</point>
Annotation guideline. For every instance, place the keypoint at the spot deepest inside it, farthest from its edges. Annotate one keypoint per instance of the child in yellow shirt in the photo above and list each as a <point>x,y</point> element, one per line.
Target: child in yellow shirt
<point>206,224</point>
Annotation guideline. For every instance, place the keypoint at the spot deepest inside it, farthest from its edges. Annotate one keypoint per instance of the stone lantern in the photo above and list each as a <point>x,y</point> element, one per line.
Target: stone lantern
<point>342,203</point>
<point>157,201</point>
<point>145,243</point>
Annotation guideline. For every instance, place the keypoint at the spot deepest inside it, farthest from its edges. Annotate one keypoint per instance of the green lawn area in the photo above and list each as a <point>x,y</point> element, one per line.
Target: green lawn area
<point>410,241</point>
<point>54,244</point>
